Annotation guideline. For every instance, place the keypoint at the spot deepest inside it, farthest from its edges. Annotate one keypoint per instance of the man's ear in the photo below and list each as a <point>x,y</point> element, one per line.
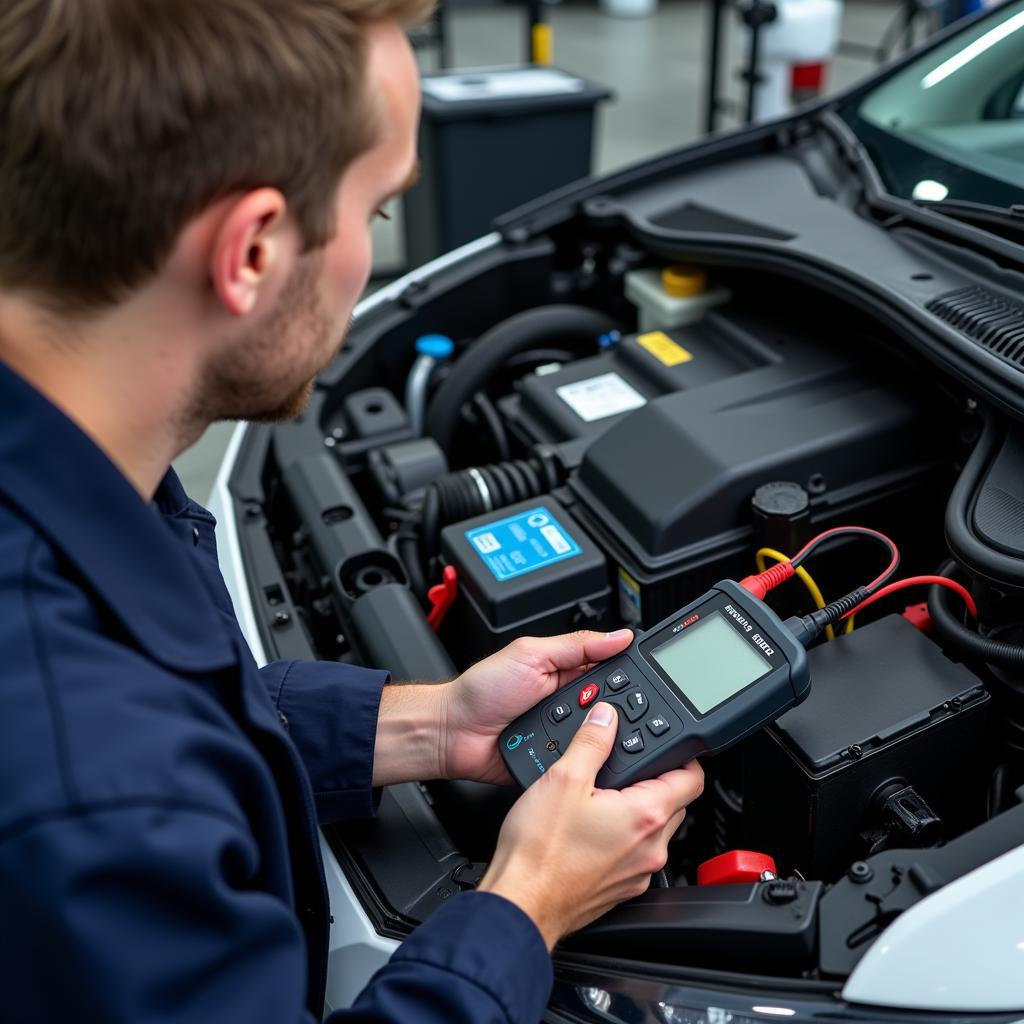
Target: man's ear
<point>252,251</point>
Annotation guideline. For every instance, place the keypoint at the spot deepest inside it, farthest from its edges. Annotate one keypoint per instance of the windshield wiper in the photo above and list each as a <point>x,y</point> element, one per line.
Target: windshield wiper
<point>1002,218</point>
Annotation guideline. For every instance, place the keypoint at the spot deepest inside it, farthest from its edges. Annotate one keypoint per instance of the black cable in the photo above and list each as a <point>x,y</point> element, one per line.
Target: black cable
<point>485,407</point>
<point>1001,568</point>
<point>956,634</point>
<point>857,531</point>
<point>564,324</point>
<point>409,553</point>
<point>539,356</point>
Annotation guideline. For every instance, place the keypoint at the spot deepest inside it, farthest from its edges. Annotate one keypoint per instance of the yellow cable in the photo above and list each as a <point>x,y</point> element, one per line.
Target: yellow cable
<point>808,582</point>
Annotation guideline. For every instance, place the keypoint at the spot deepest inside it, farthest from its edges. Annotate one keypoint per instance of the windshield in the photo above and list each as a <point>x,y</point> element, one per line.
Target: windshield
<point>950,125</point>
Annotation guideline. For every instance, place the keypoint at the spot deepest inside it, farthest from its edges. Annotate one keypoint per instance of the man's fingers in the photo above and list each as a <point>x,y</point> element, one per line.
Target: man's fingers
<point>673,825</point>
<point>591,745</point>
<point>675,789</point>
<point>570,650</point>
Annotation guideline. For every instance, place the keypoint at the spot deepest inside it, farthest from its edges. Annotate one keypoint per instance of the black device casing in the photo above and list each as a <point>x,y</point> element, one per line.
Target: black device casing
<point>533,742</point>
<point>887,705</point>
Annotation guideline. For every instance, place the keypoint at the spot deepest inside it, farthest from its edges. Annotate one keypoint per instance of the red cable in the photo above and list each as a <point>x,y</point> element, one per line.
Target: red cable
<point>913,581</point>
<point>862,530</point>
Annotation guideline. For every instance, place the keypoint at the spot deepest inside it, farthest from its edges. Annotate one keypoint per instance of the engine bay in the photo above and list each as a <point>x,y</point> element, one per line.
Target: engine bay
<point>401,523</point>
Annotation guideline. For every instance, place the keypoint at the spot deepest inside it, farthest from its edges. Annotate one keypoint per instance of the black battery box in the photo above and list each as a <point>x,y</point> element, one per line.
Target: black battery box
<point>528,569</point>
<point>888,716</point>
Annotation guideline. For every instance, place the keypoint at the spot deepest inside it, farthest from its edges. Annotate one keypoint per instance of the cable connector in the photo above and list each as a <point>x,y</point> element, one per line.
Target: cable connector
<point>803,629</point>
<point>760,584</point>
<point>807,628</point>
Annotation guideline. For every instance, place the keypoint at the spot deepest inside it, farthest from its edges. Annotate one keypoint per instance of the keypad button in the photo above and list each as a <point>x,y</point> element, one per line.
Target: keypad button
<point>589,694</point>
<point>633,744</point>
<point>560,712</point>
<point>657,726</point>
<point>636,705</point>
<point>617,680</point>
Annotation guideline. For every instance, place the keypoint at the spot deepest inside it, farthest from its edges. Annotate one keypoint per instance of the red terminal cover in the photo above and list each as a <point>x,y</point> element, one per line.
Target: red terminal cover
<point>735,866</point>
<point>919,616</point>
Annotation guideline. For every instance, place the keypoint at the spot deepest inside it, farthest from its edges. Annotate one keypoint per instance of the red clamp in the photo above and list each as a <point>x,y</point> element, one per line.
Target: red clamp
<point>737,866</point>
<point>442,597</point>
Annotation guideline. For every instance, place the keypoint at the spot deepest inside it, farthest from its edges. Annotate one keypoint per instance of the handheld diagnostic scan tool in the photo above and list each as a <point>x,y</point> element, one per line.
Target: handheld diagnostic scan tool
<point>700,681</point>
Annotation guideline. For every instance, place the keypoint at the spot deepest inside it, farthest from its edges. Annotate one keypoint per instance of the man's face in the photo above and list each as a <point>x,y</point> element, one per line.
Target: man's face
<point>268,374</point>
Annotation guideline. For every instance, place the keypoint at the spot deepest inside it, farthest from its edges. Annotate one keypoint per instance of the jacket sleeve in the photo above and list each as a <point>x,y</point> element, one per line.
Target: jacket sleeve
<point>145,913</point>
<point>477,960</point>
<point>330,711</point>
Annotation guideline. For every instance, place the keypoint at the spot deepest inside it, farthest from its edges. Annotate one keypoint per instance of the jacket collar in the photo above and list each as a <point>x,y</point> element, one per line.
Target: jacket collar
<point>60,481</point>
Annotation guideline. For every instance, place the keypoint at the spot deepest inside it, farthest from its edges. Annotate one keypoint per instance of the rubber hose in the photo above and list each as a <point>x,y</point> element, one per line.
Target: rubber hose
<point>561,324</point>
<point>471,492</point>
<point>1000,568</point>
<point>956,634</point>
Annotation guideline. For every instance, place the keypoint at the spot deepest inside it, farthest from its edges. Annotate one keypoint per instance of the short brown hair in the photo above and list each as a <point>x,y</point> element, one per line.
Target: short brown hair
<point>120,120</point>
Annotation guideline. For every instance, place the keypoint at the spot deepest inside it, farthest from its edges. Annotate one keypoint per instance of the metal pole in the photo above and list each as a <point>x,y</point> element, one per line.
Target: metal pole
<point>714,46</point>
<point>752,73</point>
<point>443,38</point>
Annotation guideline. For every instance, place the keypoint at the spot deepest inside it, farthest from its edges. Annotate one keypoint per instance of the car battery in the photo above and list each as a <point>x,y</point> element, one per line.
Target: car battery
<point>887,710</point>
<point>528,569</point>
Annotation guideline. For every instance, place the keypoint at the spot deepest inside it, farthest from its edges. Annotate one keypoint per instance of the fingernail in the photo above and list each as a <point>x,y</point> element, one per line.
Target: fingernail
<point>620,634</point>
<point>602,715</point>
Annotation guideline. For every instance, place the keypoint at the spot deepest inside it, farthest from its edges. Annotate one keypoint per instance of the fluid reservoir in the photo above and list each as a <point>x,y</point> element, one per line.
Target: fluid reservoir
<point>672,297</point>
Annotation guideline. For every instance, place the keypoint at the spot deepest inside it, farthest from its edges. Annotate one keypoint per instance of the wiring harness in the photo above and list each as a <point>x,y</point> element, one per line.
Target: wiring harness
<point>826,616</point>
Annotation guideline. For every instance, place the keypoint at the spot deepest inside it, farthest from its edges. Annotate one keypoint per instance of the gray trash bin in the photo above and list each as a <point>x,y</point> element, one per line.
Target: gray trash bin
<point>491,139</point>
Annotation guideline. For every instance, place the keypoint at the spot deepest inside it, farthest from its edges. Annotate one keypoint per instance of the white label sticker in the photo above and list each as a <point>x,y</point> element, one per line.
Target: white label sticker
<point>554,537</point>
<point>599,397</point>
<point>486,543</point>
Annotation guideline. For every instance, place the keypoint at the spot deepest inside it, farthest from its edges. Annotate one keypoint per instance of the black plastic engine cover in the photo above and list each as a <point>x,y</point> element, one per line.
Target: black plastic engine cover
<point>667,489</point>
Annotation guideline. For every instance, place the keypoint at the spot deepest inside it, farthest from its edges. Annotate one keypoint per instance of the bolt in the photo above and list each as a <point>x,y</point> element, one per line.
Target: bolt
<point>855,750</point>
<point>329,442</point>
<point>338,433</point>
<point>281,619</point>
<point>860,872</point>
<point>552,745</point>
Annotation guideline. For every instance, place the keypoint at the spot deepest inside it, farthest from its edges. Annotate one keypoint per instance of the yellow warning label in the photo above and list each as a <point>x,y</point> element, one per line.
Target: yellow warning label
<point>629,597</point>
<point>663,348</point>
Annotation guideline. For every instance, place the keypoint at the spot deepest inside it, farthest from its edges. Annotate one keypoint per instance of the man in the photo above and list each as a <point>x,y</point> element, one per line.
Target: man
<point>186,192</point>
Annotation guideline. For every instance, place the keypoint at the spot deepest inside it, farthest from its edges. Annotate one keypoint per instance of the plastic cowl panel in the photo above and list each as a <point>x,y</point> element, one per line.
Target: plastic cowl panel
<point>961,949</point>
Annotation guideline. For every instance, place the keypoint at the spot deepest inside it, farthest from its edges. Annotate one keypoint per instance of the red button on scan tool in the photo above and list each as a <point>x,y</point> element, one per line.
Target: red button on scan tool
<point>588,694</point>
<point>736,866</point>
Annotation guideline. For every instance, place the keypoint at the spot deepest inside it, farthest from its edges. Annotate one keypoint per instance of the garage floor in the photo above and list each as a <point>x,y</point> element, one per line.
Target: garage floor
<point>655,67</point>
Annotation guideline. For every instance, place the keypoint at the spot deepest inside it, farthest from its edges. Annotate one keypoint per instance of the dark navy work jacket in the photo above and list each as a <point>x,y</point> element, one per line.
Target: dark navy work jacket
<point>159,794</point>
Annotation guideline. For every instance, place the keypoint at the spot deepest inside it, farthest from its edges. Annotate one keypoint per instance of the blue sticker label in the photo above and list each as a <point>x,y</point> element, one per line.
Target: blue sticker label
<point>522,543</point>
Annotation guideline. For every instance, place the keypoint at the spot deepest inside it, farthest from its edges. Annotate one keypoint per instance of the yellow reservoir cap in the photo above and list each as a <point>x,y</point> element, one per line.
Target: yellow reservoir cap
<point>683,282</point>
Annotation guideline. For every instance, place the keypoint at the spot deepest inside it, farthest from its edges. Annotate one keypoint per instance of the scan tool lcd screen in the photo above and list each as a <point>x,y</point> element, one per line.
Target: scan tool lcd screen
<point>710,662</point>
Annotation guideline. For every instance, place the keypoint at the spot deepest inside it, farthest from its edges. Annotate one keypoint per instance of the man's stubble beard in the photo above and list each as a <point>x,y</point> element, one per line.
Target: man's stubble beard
<point>246,384</point>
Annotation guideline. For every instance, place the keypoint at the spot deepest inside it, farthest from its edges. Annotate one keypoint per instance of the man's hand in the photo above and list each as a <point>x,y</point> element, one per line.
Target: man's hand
<point>569,852</point>
<point>486,697</point>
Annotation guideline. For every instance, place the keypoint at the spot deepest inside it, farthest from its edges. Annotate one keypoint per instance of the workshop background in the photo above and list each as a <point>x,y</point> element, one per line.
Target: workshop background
<point>653,56</point>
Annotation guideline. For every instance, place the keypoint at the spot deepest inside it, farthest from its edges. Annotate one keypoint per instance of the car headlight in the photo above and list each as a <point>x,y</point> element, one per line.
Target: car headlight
<point>621,1000</point>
